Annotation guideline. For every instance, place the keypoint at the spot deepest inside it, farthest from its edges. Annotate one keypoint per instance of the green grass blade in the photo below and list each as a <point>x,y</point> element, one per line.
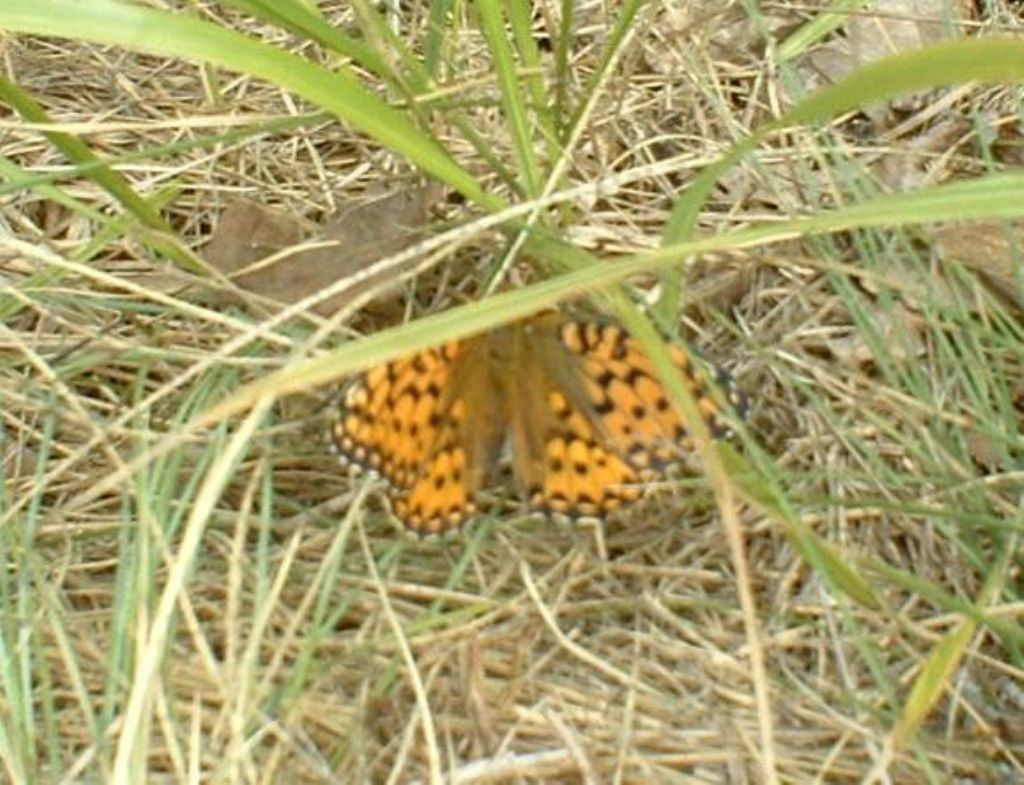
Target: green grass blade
<point>493,27</point>
<point>433,45</point>
<point>299,19</point>
<point>562,72</point>
<point>416,83</point>
<point>177,35</point>
<point>764,493</point>
<point>623,26</point>
<point>933,680</point>
<point>78,153</point>
<point>100,173</point>
<point>1001,195</point>
<point>990,60</point>
<point>519,14</point>
<point>956,62</point>
<point>824,24</point>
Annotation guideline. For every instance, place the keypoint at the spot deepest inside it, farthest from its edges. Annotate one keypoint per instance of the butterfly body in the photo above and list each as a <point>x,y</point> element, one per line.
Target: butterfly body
<point>577,402</point>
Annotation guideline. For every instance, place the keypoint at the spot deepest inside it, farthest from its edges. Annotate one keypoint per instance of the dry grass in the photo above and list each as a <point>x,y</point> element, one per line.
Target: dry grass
<point>309,639</point>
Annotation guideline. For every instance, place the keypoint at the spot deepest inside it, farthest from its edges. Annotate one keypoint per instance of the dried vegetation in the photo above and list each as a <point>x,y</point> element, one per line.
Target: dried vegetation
<point>882,369</point>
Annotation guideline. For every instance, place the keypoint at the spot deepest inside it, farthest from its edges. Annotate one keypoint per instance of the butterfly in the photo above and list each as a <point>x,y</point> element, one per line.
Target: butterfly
<point>578,402</point>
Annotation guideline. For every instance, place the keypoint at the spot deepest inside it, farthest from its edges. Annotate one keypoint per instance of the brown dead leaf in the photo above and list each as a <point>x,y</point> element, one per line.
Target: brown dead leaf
<point>984,450</point>
<point>888,27</point>
<point>993,249</point>
<point>282,259</point>
<point>929,125</point>
<point>883,28</point>
<point>248,232</point>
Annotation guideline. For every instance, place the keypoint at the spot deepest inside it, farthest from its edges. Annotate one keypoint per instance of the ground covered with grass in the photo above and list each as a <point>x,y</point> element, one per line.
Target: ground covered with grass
<point>196,598</point>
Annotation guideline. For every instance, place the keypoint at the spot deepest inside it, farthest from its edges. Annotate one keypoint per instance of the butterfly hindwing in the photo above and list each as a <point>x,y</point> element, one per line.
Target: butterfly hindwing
<point>386,423</point>
<point>424,424</point>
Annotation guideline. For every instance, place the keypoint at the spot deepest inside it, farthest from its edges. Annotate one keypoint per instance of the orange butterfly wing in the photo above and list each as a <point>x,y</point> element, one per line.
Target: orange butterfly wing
<point>578,402</point>
<point>629,402</point>
<point>592,423</point>
<point>425,423</point>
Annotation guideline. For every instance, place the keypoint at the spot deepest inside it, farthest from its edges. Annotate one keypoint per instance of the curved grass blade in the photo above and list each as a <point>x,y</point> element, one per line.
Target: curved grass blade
<point>955,62</point>
<point>493,26</point>
<point>178,35</point>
